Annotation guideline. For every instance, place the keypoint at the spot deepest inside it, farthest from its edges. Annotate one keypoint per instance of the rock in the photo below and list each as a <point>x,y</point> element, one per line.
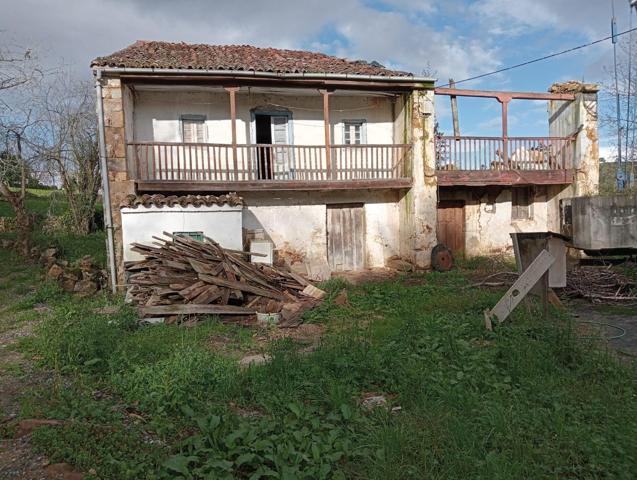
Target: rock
<point>25,427</point>
<point>85,288</point>
<point>6,244</point>
<point>55,272</point>
<point>254,360</point>
<point>399,264</point>
<point>41,308</point>
<point>85,263</point>
<point>374,401</point>
<point>48,256</point>
<point>68,283</point>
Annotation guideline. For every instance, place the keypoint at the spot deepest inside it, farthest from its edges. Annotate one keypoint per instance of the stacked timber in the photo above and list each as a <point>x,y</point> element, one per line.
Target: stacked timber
<point>180,275</point>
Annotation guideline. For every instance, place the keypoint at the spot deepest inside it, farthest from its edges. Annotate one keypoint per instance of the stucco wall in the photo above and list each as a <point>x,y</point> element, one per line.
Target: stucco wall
<point>222,223</point>
<point>296,222</point>
<point>157,115</point>
<point>488,224</point>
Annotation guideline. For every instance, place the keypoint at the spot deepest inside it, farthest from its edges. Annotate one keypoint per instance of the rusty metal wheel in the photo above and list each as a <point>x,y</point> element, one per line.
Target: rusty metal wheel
<point>441,258</point>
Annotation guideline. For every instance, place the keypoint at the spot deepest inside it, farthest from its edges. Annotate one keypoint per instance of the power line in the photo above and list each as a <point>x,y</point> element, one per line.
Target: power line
<point>546,57</point>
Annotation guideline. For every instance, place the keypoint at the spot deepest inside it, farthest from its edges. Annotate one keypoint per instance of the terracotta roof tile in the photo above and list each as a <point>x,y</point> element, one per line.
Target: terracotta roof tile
<point>159,200</point>
<point>149,54</point>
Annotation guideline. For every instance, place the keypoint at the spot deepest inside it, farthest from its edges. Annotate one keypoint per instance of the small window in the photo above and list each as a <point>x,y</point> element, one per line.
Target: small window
<point>193,128</point>
<point>521,203</point>
<point>194,235</point>
<point>354,132</point>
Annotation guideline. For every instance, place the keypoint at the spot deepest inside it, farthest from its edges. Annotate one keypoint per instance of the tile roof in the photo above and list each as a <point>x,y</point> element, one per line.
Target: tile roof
<point>149,54</point>
<point>159,200</point>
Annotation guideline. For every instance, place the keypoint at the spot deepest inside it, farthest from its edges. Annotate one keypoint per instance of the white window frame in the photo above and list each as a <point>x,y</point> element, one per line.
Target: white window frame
<point>193,118</point>
<point>355,122</point>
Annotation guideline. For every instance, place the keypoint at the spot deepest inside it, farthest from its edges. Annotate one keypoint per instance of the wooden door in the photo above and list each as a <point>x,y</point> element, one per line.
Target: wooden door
<point>451,225</point>
<point>346,237</point>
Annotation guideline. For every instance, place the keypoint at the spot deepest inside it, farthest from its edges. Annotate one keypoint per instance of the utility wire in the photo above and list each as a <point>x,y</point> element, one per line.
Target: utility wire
<point>546,57</point>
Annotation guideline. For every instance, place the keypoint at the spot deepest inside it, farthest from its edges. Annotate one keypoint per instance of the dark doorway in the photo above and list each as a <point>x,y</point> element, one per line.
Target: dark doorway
<point>451,225</point>
<point>263,127</point>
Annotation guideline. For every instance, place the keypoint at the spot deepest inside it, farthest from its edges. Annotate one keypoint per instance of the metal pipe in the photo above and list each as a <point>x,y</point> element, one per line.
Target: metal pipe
<point>253,74</point>
<point>108,214</point>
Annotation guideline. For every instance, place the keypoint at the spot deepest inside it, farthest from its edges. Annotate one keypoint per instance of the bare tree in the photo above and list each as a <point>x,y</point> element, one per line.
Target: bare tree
<point>17,70</point>
<point>64,140</point>
<point>627,89</point>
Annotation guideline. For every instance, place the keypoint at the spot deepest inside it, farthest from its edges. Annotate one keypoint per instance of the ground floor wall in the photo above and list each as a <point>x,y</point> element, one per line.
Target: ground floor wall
<point>491,214</point>
<point>297,224</point>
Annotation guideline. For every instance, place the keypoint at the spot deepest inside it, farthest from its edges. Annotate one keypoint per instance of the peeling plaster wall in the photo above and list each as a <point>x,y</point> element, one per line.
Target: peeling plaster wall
<point>579,116</point>
<point>418,207</point>
<point>296,222</point>
<point>488,225</point>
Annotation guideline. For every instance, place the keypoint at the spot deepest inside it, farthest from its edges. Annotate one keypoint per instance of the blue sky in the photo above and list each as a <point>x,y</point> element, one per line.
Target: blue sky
<point>452,38</point>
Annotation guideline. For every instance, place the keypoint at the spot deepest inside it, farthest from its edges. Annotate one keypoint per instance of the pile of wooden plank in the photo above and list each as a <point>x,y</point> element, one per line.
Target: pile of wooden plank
<point>180,275</point>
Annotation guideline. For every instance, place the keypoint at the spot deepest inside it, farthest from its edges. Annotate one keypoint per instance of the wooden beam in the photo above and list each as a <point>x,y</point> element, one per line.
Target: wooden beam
<point>326,124</point>
<point>271,185</point>
<point>481,178</point>
<point>454,110</point>
<point>460,92</point>
<point>233,124</point>
<point>193,309</point>
<point>525,282</point>
<point>170,80</point>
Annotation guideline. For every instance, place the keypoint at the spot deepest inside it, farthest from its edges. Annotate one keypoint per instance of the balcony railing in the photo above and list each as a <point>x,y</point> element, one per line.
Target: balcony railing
<point>216,163</point>
<point>497,153</point>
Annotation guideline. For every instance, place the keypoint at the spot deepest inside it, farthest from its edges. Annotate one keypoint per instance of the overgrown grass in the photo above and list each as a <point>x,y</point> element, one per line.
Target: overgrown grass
<point>530,400</point>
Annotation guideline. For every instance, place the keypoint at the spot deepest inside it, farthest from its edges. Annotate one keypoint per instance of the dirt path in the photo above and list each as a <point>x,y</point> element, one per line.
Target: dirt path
<point>17,374</point>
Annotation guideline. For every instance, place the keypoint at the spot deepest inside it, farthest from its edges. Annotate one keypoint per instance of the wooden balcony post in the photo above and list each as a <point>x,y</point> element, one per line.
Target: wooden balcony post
<point>504,101</point>
<point>326,121</point>
<point>233,119</point>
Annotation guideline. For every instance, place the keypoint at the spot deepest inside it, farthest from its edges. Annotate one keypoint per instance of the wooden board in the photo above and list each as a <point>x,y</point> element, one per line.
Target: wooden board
<point>346,237</point>
<point>480,178</point>
<point>451,225</point>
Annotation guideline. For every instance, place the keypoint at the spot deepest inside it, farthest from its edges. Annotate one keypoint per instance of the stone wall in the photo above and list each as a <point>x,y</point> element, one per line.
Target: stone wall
<point>120,182</point>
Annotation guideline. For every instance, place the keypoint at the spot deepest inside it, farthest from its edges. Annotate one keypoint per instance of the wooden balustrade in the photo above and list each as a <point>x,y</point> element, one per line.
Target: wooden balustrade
<point>207,162</point>
<point>504,153</point>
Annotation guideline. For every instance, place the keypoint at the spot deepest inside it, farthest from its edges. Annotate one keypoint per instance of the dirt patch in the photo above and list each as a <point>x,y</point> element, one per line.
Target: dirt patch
<point>372,275</point>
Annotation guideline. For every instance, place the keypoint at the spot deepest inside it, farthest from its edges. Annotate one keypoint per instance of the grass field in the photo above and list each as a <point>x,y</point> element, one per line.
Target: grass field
<point>530,400</point>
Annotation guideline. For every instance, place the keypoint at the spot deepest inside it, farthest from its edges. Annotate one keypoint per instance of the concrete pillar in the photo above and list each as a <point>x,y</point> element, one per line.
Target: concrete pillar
<point>418,206</point>
<point>120,181</point>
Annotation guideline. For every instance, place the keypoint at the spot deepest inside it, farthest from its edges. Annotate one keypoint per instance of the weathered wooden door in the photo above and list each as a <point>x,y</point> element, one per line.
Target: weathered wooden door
<point>346,237</point>
<point>451,225</point>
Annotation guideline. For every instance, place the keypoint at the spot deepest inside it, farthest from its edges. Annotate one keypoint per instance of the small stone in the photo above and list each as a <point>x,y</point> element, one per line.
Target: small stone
<point>374,401</point>
<point>254,360</point>
<point>55,272</point>
<point>68,284</point>
<point>85,263</point>
<point>397,263</point>
<point>85,288</point>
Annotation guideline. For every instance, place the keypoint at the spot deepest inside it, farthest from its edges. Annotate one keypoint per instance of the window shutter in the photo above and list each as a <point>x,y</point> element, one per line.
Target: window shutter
<point>280,130</point>
<point>193,129</point>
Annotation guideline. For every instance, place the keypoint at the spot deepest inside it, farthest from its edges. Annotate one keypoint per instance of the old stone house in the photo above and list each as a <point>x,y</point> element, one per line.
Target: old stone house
<point>334,163</point>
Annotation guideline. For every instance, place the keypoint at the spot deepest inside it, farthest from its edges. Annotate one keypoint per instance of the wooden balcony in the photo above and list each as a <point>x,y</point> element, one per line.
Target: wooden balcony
<point>225,167</point>
<point>481,161</point>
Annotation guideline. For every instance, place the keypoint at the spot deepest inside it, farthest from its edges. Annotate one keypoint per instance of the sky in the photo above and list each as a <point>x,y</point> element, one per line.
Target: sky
<point>444,39</point>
